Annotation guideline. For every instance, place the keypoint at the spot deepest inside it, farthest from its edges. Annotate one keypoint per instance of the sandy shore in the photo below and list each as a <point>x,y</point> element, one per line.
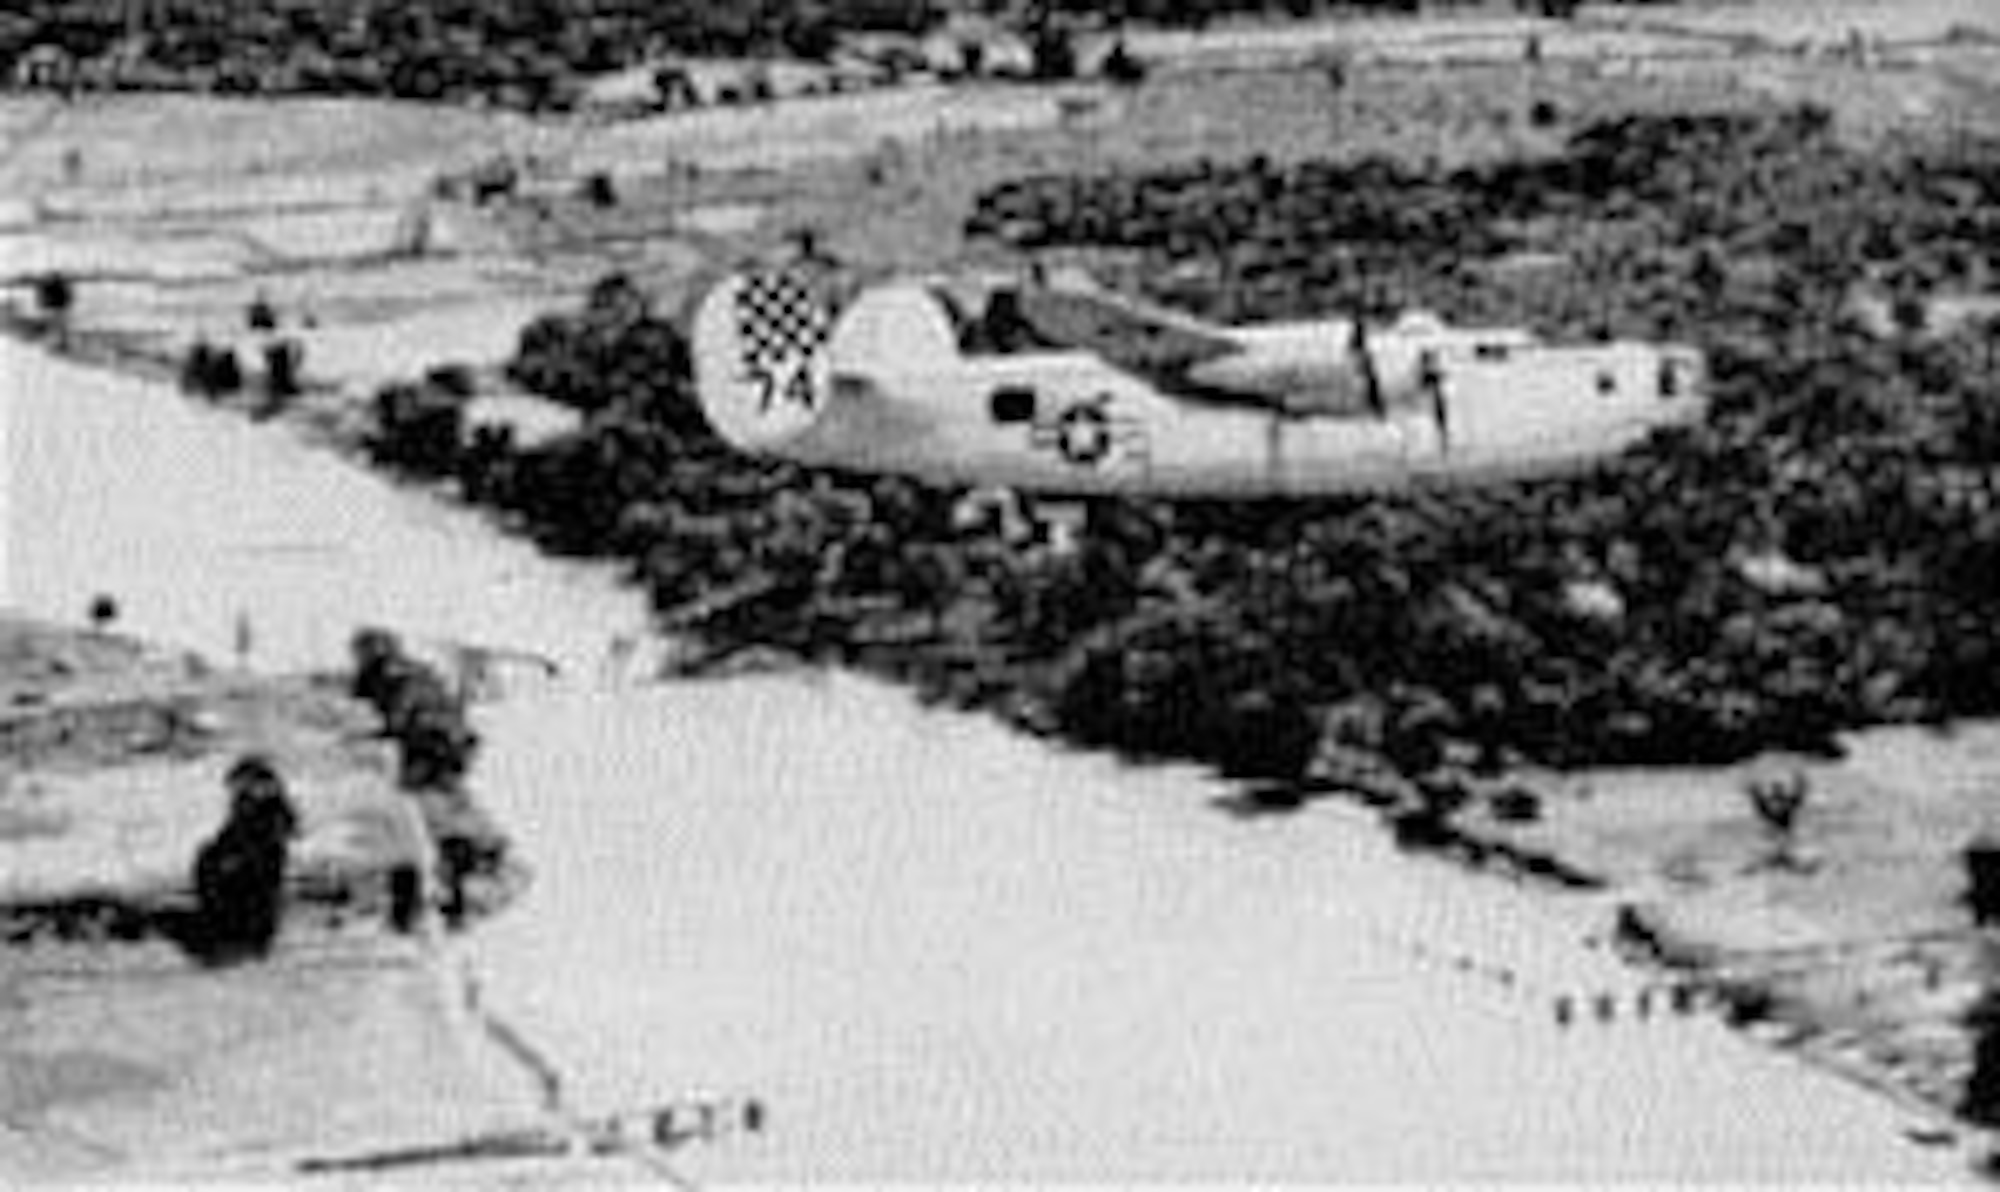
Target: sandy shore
<point>127,1060</point>
<point>1018,927</point>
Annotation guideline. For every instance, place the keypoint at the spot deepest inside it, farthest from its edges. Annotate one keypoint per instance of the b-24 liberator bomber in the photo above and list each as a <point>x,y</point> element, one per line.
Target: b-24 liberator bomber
<point>1069,389</point>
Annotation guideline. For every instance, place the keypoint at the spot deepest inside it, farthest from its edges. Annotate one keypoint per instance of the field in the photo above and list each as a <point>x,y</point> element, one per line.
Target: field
<point>203,203</point>
<point>99,823</point>
<point>1856,929</point>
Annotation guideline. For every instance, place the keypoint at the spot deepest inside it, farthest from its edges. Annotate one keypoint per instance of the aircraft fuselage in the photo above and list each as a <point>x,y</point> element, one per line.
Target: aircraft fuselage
<point>895,394</point>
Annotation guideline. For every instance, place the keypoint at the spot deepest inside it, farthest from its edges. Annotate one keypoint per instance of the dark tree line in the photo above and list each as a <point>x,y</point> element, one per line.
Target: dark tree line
<point>522,53</point>
<point>1747,234</point>
<point>1628,615</point>
<point>531,54</point>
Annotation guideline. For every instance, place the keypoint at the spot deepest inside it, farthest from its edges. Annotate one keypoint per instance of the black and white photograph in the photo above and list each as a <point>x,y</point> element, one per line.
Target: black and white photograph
<point>999,593</point>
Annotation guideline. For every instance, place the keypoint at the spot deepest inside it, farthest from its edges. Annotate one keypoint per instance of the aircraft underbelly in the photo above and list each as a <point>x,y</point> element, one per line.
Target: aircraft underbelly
<point>1502,419</point>
<point>1092,431</point>
<point>1217,454</point>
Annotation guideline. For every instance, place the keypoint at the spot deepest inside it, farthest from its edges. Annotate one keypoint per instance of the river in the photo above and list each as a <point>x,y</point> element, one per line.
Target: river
<point>935,949</point>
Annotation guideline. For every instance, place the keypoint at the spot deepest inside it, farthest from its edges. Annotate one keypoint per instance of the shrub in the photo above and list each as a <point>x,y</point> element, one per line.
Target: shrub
<point>261,315</point>
<point>418,428</point>
<point>282,359</point>
<point>418,709</point>
<point>239,874</point>
<point>55,295</point>
<point>210,371</point>
<point>1123,67</point>
<point>1979,1101</point>
<point>1982,871</point>
<point>614,353</point>
<point>600,191</point>
<point>1053,53</point>
<point>452,380</point>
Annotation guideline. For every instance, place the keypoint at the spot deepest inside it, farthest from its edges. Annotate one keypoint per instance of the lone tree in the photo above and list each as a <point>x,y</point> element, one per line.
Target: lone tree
<point>261,314</point>
<point>211,371</point>
<point>239,874</point>
<point>1778,801</point>
<point>1123,67</point>
<point>419,712</point>
<point>1979,1100</point>
<point>600,190</point>
<point>282,361</point>
<point>103,612</point>
<point>418,427</point>
<point>55,298</point>
<point>1052,52</point>
<point>1982,874</point>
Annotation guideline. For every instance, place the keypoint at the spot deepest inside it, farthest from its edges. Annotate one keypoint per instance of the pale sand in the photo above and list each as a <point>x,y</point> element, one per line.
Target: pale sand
<point>937,949</point>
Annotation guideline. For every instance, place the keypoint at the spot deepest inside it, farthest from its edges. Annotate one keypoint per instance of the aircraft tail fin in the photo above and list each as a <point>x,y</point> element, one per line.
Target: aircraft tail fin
<point>761,365</point>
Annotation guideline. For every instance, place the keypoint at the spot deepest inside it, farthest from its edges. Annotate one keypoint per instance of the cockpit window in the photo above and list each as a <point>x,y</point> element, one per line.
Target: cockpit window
<point>998,328</point>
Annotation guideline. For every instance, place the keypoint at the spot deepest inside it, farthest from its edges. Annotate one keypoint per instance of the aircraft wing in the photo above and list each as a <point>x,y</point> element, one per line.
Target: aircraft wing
<point>1189,360</point>
<point>1160,347</point>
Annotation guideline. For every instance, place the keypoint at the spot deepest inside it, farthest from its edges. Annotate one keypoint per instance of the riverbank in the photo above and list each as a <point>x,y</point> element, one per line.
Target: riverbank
<point>1057,967</point>
<point>1875,992</point>
<point>944,951</point>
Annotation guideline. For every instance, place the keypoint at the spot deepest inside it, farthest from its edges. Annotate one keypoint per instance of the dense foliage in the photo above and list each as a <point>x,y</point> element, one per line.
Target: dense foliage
<point>417,427</point>
<point>1822,554</point>
<point>1198,14</point>
<point>1864,464</point>
<point>531,54</point>
<point>615,348</point>
<point>523,53</point>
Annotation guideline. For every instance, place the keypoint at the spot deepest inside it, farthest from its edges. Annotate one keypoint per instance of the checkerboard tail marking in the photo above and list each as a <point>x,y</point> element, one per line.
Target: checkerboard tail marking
<point>781,326</point>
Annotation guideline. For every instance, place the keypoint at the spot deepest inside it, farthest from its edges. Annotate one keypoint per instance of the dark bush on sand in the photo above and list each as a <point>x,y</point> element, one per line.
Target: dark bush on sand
<point>419,711</point>
<point>239,873</point>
